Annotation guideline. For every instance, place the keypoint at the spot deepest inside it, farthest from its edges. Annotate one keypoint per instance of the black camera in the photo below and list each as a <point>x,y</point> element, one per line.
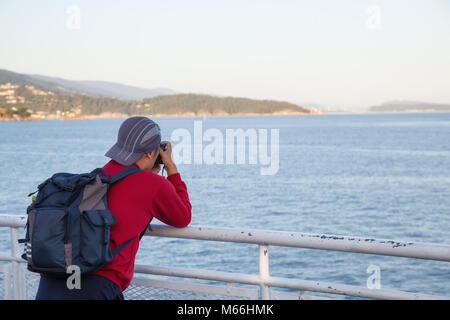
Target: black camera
<point>163,146</point>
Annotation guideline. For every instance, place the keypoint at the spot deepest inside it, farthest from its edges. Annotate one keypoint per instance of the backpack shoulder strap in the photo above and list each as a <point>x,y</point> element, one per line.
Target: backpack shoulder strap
<point>121,246</point>
<point>145,229</point>
<point>98,170</point>
<point>123,173</point>
<point>124,244</point>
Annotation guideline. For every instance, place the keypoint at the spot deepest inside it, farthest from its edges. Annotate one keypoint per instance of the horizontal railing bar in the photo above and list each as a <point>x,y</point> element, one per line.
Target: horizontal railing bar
<point>416,250</point>
<point>348,290</point>
<point>225,290</point>
<point>428,251</point>
<point>13,221</point>
<point>288,283</point>
<point>8,257</point>
<point>199,274</point>
<point>277,238</point>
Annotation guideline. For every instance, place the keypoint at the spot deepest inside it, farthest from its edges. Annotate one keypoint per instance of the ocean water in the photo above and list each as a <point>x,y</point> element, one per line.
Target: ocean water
<point>384,175</point>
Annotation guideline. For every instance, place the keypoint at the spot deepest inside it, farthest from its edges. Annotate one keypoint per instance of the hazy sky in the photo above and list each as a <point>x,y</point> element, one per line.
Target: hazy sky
<point>332,53</point>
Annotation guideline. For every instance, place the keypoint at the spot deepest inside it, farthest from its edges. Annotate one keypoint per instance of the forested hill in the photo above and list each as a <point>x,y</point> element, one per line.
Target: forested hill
<point>26,99</point>
<point>206,104</point>
<point>409,106</point>
<point>35,96</point>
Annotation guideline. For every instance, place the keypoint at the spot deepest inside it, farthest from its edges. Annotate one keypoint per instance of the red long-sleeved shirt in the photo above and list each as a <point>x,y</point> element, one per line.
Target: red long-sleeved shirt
<point>134,201</point>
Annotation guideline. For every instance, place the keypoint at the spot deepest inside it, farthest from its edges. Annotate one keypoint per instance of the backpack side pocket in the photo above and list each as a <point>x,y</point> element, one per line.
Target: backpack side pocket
<point>95,236</point>
<point>47,237</point>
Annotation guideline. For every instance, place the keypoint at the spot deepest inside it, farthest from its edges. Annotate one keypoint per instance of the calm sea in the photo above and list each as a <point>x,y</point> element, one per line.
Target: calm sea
<point>384,175</point>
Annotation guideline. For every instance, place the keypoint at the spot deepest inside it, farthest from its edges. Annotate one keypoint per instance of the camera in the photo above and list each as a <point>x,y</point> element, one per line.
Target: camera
<point>163,146</point>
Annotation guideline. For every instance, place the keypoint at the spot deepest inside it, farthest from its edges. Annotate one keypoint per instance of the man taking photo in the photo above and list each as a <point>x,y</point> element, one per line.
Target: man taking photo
<point>134,200</point>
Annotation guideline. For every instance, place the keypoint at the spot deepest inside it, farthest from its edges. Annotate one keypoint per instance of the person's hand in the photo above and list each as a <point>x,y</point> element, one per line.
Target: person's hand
<point>166,157</point>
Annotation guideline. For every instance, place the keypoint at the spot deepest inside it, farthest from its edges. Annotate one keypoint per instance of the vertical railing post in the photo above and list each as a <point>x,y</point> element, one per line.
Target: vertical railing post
<point>17,290</point>
<point>7,281</point>
<point>264,270</point>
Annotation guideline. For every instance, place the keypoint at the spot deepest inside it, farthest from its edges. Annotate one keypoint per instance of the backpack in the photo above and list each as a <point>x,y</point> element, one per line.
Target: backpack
<point>69,223</point>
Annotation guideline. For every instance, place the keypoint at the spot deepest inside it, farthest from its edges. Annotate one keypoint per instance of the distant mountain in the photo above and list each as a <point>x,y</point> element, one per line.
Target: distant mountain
<point>23,79</point>
<point>409,106</point>
<point>40,97</point>
<point>92,88</point>
<point>107,89</point>
<point>202,104</point>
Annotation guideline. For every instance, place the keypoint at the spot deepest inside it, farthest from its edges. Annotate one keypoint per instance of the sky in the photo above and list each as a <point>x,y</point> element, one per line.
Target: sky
<point>338,54</point>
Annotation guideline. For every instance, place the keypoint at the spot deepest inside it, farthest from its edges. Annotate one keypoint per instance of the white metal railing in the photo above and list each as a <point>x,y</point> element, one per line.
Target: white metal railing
<point>264,239</point>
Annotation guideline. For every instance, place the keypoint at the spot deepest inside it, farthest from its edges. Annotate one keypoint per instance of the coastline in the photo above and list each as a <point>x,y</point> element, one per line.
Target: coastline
<point>157,115</point>
<point>206,115</point>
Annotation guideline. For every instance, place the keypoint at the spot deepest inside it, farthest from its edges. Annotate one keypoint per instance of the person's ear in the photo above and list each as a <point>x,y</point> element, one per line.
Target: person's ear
<point>154,153</point>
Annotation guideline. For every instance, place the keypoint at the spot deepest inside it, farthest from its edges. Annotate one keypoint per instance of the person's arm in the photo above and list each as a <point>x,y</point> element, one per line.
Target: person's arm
<point>172,205</point>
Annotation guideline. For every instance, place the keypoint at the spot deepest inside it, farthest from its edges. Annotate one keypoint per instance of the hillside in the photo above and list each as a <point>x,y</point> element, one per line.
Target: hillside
<point>107,89</point>
<point>23,101</point>
<point>200,104</point>
<point>23,79</point>
<point>91,88</point>
<point>409,106</point>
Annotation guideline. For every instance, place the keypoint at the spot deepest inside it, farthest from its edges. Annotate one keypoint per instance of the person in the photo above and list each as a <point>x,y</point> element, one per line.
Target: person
<point>135,201</point>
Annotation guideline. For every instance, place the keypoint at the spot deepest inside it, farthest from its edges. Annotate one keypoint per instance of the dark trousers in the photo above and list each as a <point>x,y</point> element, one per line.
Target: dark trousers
<point>93,287</point>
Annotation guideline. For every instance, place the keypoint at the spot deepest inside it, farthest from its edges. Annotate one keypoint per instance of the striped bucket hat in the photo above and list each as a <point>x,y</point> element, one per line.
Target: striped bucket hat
<point>137,135</point>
